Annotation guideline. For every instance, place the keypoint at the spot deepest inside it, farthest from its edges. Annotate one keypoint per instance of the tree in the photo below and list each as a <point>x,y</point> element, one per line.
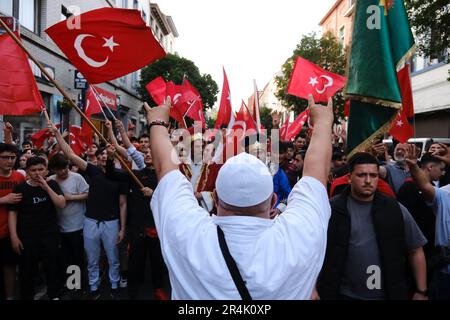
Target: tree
<point>175,68</point>
<point>327,53</point>
<point>265,117</point>
<point>431,22</point>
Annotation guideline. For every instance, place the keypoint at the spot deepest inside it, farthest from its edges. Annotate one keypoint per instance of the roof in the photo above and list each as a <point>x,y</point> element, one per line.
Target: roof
<point>335,5</point>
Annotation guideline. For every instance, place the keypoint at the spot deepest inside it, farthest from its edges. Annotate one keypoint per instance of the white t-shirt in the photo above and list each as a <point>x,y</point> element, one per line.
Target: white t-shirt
<point>71,217</point>
<point>278,259</point>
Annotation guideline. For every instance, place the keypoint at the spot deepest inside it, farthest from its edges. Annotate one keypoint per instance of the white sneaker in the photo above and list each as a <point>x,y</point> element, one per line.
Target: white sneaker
<point>123,283</point>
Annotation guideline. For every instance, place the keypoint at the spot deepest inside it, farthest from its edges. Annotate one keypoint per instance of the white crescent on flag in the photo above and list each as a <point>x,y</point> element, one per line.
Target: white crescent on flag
<point>82,54</point>
<point>329,84</point>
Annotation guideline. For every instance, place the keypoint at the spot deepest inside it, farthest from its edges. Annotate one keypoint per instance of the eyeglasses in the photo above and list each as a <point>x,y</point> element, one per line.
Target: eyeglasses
<point>8,157</point>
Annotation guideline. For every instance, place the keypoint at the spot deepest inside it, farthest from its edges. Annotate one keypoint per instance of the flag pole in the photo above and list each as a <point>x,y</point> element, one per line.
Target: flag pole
<point>110,4</point>
<point>97,95</point>
<point>72,104</point>
<point>258,119</point>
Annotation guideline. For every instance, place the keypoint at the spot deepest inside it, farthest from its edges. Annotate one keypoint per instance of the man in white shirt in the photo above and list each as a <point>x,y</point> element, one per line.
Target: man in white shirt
<point>277,259</point>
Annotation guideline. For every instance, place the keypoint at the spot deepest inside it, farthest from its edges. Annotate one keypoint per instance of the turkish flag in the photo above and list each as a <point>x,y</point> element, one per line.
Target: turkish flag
<point>186,100</point>
<point>308,78</point>
<point>243,119</point>
<point>225,110</point>
<point>77,142</point>
<point>19,94</point>
<point>97,98</point>
<point>296,126</point>
<point>110,43</point>
<point>283,129</point>
<point>86,134</point>
<point>39,137</point>
<point>402,128</point>
<point>157,88</point>
<point>194,103</point>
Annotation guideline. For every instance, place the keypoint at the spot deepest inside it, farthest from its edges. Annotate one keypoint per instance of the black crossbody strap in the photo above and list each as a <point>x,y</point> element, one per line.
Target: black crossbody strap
<point>232,267</point>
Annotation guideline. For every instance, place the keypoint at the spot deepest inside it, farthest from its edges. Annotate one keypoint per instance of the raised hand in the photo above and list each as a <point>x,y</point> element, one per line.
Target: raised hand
<point>319,113</point>
<point>119,125</point>
<point>443,156</point>
<point>411,155</point>
<point>159,113</point>
<point>8,127</point>
<point>108,125</point>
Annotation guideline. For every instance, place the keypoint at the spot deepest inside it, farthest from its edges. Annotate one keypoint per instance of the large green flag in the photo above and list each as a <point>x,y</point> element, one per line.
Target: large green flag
<point>382,42</point>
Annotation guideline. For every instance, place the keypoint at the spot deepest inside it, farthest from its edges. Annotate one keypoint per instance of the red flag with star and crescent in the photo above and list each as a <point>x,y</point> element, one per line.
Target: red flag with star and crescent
<point>308,78</point>
<point>402,128</point>
<point>296,126</point>
<point>185,99</point>
<point>243,119</point>
<point>110,43</point>
<point>225,111</point>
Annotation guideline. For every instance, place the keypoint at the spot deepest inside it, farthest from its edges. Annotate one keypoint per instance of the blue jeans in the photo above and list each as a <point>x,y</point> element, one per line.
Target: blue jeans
<point>96,233</point>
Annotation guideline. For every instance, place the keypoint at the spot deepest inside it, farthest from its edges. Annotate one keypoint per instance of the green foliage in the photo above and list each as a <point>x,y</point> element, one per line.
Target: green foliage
<point>266,118</point>
<point>430,20</point>
<point>211,120</point>
<point>174,68</point>
<point>327,53</point>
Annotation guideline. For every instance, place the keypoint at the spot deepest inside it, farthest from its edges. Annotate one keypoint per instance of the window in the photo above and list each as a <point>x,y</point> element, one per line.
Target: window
<point>124,4</point>
<point>135,4</point>
<point>6,7</point>
<point>134,80</point>
<point>28,14</point>
<point>413,64</point>
<point>341,35</point>
<point>144,17</point>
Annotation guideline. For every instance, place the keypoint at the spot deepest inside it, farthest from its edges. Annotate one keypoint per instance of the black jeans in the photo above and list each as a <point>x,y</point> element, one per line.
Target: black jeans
<point>72,252</point>
<point>142,245</point>
<point>42,249</point>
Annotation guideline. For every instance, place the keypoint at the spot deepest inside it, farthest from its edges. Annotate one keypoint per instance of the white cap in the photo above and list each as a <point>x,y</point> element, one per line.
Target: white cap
<point>244,181</point>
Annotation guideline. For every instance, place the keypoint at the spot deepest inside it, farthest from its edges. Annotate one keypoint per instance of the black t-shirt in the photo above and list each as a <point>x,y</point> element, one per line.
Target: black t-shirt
<point>36,213</point>
<point>103,200</point>
<point>139,214</point>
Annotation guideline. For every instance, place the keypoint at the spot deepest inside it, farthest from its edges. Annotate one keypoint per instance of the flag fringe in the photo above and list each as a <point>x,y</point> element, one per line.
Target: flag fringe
<point>376,101</point>
<point>366,144</point>
<point>408,56</point>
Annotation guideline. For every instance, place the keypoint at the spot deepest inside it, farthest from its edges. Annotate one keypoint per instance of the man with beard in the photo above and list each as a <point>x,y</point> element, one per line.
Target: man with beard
<point>396,174</point>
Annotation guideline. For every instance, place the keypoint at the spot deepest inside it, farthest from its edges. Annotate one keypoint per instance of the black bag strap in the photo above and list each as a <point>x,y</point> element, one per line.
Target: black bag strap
<point>232,267</point>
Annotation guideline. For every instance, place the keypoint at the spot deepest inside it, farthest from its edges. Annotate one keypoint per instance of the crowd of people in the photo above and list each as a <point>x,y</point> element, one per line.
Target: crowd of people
<point>279,220</point>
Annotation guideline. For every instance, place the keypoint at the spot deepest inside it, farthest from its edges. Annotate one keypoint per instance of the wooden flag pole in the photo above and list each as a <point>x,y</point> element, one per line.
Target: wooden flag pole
<point>69,100</point>
<point>258,118</point>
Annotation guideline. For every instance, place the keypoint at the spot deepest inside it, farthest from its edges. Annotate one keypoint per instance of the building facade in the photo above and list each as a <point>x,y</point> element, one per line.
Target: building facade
<point>339,21</point>
<point>431,90</point>
<point>37,15</point>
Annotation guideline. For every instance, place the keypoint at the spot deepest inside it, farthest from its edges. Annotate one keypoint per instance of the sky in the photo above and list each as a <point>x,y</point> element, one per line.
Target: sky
<point>250,38</point>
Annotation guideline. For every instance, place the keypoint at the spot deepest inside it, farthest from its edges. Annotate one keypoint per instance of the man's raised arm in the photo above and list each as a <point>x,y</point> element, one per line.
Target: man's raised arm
<point>65,148</point>
<point>420,178</point>
<point>164,156</point>
<point>318,157</point>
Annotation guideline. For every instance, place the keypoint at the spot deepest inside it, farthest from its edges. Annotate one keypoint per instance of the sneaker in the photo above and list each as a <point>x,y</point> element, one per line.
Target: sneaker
<point>55,299</point>
<point>123,282</point>
<point>94,295</point>
<point>159,294</point>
